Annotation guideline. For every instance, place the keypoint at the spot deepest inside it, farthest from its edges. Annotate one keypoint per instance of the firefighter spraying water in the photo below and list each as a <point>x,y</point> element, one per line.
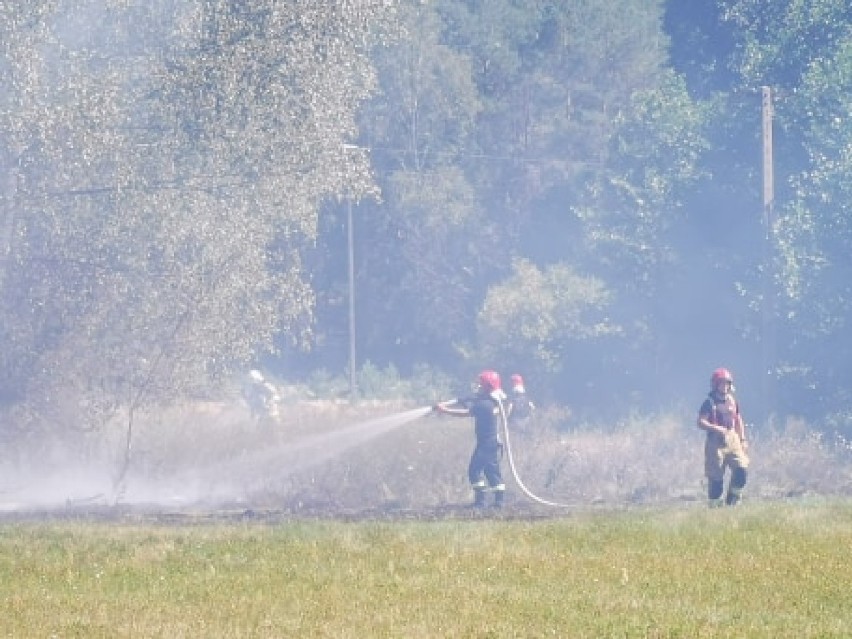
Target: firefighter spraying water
<point>489,410</point>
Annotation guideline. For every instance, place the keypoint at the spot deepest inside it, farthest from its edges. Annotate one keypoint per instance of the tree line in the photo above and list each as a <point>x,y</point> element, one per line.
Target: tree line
<point>572,190</point>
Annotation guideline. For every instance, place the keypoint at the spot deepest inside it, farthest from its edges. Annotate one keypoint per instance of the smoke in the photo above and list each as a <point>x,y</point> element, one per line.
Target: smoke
<point>235,480</point>
<point>59,487</point>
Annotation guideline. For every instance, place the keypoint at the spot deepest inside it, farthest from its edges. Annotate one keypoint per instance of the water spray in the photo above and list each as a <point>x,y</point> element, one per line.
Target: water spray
<point>230,480</point>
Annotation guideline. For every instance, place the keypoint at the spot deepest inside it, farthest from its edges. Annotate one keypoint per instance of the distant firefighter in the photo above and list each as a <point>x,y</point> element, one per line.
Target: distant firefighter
<point>726,442</point>
<point>487,409</point>
<point>521,408</point>
<point>261,396</point>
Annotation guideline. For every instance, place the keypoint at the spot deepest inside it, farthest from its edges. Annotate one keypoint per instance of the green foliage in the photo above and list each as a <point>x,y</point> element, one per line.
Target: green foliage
<point>324,384</point>
<point>778,40</point>
<point>429,383</point>
<point>493,114</point>
<point>656,149</point>
<point>425,245</point>
<point>375,383</point>
<point>532,317</point>
<point>425,385</point>
<point>803,51</point>
<point>429,103</point>
<point>167,166</point>
<point>437,215</point>
<point>814,227</point>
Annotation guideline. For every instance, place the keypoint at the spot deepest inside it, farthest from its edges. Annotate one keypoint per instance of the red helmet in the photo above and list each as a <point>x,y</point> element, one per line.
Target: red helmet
<point>721,375</point>
<point>517,380</point>
<point>489,380</point>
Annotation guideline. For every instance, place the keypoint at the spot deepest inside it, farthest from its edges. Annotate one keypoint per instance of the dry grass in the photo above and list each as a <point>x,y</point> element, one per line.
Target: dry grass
<point>324,455</point>
<point>653,460</point>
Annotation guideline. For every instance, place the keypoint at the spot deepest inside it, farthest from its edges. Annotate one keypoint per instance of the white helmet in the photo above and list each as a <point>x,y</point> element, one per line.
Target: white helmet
<point>256,375</point>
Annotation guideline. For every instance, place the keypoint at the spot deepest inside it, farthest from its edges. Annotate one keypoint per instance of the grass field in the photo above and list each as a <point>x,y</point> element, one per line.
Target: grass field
<point>324,525</point>
<point>763,570</point>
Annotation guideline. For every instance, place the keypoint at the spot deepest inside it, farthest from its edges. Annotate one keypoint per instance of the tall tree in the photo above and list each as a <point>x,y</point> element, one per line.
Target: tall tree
<point>796,261</point>
<point>801,52</point>
<point>430,240</point>
<point>170,160</point>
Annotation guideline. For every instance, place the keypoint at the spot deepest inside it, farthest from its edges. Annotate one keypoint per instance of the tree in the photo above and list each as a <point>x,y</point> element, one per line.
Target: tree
<point>792,268</point>
<point>508,112</point>
<point>532,319</point>
<point>430,240</point>
<point>802,51</point>
<point>169,169</point>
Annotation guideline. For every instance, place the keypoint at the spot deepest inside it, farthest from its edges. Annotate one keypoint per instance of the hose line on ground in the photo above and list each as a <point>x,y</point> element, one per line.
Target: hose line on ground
<point>505,424</point>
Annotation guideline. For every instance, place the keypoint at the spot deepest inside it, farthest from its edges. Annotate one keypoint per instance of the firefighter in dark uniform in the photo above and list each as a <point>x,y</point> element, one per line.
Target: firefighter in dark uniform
<point>726,442</point>
<point>487,407</point>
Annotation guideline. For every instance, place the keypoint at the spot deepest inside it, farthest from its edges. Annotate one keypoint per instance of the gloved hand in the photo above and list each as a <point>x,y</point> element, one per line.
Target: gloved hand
<point>732,439</point>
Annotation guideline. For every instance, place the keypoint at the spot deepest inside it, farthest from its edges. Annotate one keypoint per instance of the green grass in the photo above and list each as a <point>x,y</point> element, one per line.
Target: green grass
<point>759,571</point>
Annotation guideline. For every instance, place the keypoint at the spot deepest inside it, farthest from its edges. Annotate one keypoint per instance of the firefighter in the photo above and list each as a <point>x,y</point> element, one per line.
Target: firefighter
<point>261,396</point>
<point>520,407</point>
<point>487,407</point>
<point>726,443</point>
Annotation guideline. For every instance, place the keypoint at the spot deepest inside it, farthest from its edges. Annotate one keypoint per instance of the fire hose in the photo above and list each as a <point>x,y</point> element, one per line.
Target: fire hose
<point>504,422</point>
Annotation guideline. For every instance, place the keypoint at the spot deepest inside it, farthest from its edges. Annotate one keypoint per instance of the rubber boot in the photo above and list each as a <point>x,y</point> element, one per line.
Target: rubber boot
<point>735,489</point>
<point>479,498</point>
<point>714,493</point>
<point>498,498</point>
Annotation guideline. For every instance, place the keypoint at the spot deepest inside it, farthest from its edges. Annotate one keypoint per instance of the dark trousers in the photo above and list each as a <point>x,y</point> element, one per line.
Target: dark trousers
<point>486,460</point>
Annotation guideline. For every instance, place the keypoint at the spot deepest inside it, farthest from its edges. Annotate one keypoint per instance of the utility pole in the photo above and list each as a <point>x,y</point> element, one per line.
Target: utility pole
<point>768,306</point>
<point>350,243</point>
<point>351,251</point>
<point>768,177</point>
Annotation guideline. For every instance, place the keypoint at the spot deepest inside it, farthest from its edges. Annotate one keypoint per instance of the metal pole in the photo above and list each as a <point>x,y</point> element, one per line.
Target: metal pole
<point>768,177</point>
<point>768,284</point>
<point>351,247</point>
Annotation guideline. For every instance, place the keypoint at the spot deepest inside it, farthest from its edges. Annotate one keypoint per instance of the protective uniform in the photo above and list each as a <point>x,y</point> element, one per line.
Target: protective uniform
<point>520,407</point>
<point>261,396</point>
<point>723,449</point>
<point>487,409</point>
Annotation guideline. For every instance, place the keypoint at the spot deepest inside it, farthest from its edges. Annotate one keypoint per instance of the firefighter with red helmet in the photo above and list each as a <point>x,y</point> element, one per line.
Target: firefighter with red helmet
<point>726,444</point>
<point>520,406</point>
<point>488,410</point>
